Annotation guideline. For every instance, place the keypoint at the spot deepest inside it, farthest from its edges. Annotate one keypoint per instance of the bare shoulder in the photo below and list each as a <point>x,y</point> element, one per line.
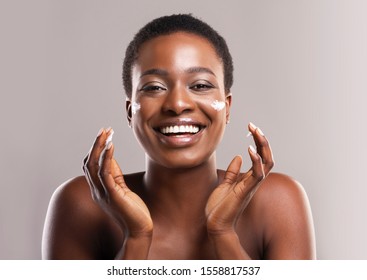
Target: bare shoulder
<point>73,188</point>
<point>73,196</point>
<point>282,189</point>
<point>283,207</point>
<point>73,223</point>
<point>281,197</point>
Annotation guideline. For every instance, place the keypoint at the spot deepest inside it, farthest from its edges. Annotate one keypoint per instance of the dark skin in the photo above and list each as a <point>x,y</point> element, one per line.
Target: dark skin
<point>172,211</point>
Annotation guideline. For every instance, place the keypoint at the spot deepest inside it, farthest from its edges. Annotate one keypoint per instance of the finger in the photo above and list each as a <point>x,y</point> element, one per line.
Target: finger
<point>263,148</point>
<point>249,182</point>
<point>93,158</point>
<point>257,166</point>
<point>117,173</point>
<point>105,173</point>
<point>85,161</point>
<point>250,179</point>
<point>233,170</point>
<point>95,192</point>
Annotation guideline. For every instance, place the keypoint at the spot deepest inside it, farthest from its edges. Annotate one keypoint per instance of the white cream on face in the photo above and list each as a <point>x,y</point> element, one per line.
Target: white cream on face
<point>135,107</point>
<point>218,105</point>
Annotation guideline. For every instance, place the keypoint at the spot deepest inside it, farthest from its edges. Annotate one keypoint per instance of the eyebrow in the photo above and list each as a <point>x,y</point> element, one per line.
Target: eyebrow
<point>154,71</point>
<point>199,70</point>
<point>161,72</point>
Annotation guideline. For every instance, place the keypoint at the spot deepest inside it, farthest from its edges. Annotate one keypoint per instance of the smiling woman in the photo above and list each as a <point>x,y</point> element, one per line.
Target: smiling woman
<point>177,77</point>
<point>179,93</point>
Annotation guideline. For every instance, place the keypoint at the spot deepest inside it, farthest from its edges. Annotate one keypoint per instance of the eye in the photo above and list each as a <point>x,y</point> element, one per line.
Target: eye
<point>152,88</point>
<point>202,86</point>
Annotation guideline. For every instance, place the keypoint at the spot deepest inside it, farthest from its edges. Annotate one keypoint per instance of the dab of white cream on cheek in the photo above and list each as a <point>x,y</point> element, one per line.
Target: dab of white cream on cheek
<point>218,105</point>
<point>135,107</point>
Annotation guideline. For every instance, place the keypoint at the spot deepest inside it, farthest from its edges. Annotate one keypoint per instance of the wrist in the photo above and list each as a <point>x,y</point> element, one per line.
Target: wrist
<point>136,247</point>
<point>227,245</point>
<point>222,235</point>
<point>148,234</point>
<point>218,230</point>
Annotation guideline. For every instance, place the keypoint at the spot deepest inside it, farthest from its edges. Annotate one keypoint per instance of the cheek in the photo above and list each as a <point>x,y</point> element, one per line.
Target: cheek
<point>218,105</point>
<point>214,108</point>
<point>142,111</point>
<point>135,107</point>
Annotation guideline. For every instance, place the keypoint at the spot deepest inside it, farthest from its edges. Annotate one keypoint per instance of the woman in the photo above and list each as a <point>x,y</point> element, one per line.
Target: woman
<point>177,76</point>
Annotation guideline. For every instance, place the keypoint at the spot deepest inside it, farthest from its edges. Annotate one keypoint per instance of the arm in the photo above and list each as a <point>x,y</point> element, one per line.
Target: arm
<point>114,197</point>
<point>281,208</point>
<point>75,224</point>
<point>228,201</point>
<point>77,214</point>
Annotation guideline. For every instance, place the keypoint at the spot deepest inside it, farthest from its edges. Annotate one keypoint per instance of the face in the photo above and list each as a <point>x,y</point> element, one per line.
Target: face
<point>178,109</point>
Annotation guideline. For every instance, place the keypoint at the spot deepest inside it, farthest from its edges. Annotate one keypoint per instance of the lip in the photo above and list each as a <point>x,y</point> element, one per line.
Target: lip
<point>181,140</point>
<point>180,121</point>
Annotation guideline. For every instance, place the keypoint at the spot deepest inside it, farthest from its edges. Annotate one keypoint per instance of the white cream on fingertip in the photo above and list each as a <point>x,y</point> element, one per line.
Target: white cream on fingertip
<point>109,138</point>
<point>252,125</point>
<point>261,133</point>
<point>218,105</point>
<point>109,145</point>
<point>253,149</point>
<point>135,107</point>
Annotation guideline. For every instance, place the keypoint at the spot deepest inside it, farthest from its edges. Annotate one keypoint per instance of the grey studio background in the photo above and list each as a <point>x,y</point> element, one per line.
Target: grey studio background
<point>300,74</point>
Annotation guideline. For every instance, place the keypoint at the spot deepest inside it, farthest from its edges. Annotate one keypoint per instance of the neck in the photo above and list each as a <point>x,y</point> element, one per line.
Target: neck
<point>181,192</point>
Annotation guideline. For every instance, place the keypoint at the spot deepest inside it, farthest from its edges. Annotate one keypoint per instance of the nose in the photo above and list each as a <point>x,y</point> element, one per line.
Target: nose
<point>178,101</point>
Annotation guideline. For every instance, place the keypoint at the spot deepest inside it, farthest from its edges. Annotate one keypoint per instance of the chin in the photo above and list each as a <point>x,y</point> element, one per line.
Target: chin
<point>184,161</point>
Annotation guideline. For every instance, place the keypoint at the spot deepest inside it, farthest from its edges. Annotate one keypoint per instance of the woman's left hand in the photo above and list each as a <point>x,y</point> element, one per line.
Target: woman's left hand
<point>230,198</point>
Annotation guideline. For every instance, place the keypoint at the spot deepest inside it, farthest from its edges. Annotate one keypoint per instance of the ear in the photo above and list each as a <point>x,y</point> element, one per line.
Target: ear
<point>228,106</point>
<point>128,111</point>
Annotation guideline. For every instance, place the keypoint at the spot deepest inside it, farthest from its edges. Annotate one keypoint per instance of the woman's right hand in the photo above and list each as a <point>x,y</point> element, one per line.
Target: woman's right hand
<point>109,190</point>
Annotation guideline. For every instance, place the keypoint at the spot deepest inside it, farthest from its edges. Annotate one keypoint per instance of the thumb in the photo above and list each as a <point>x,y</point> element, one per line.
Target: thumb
<point>233,170</point>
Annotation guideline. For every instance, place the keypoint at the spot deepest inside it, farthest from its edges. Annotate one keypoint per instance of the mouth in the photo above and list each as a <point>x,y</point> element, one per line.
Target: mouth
<point>179,133</point>
<point>179,130</point>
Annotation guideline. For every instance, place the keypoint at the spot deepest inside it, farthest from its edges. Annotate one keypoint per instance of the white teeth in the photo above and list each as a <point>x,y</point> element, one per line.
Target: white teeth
<point>179,129</point>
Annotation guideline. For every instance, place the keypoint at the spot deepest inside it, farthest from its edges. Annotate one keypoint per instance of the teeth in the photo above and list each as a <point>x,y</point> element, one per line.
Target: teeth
<point>179,129</point>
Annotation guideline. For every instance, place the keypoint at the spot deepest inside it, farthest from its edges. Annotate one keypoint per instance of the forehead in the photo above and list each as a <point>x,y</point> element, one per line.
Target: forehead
<point>177,51</point>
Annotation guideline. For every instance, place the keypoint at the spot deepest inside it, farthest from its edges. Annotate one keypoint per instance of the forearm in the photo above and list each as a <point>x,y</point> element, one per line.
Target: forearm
<point>135,248</point>
<point>227,246</point>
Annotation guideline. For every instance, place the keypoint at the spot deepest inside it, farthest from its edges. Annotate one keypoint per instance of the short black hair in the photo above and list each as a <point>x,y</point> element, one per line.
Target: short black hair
<point>176,23</point>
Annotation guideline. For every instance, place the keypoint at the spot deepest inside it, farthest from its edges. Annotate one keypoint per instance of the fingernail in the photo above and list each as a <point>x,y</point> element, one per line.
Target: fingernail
<point>252,125</point>
<point>249,134</point>
<point>108,129</point>
<point>109,145</point>
<point>259,130</point>
<point>100,132</point>
<point>109,138</point>
<point>252,149</point>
